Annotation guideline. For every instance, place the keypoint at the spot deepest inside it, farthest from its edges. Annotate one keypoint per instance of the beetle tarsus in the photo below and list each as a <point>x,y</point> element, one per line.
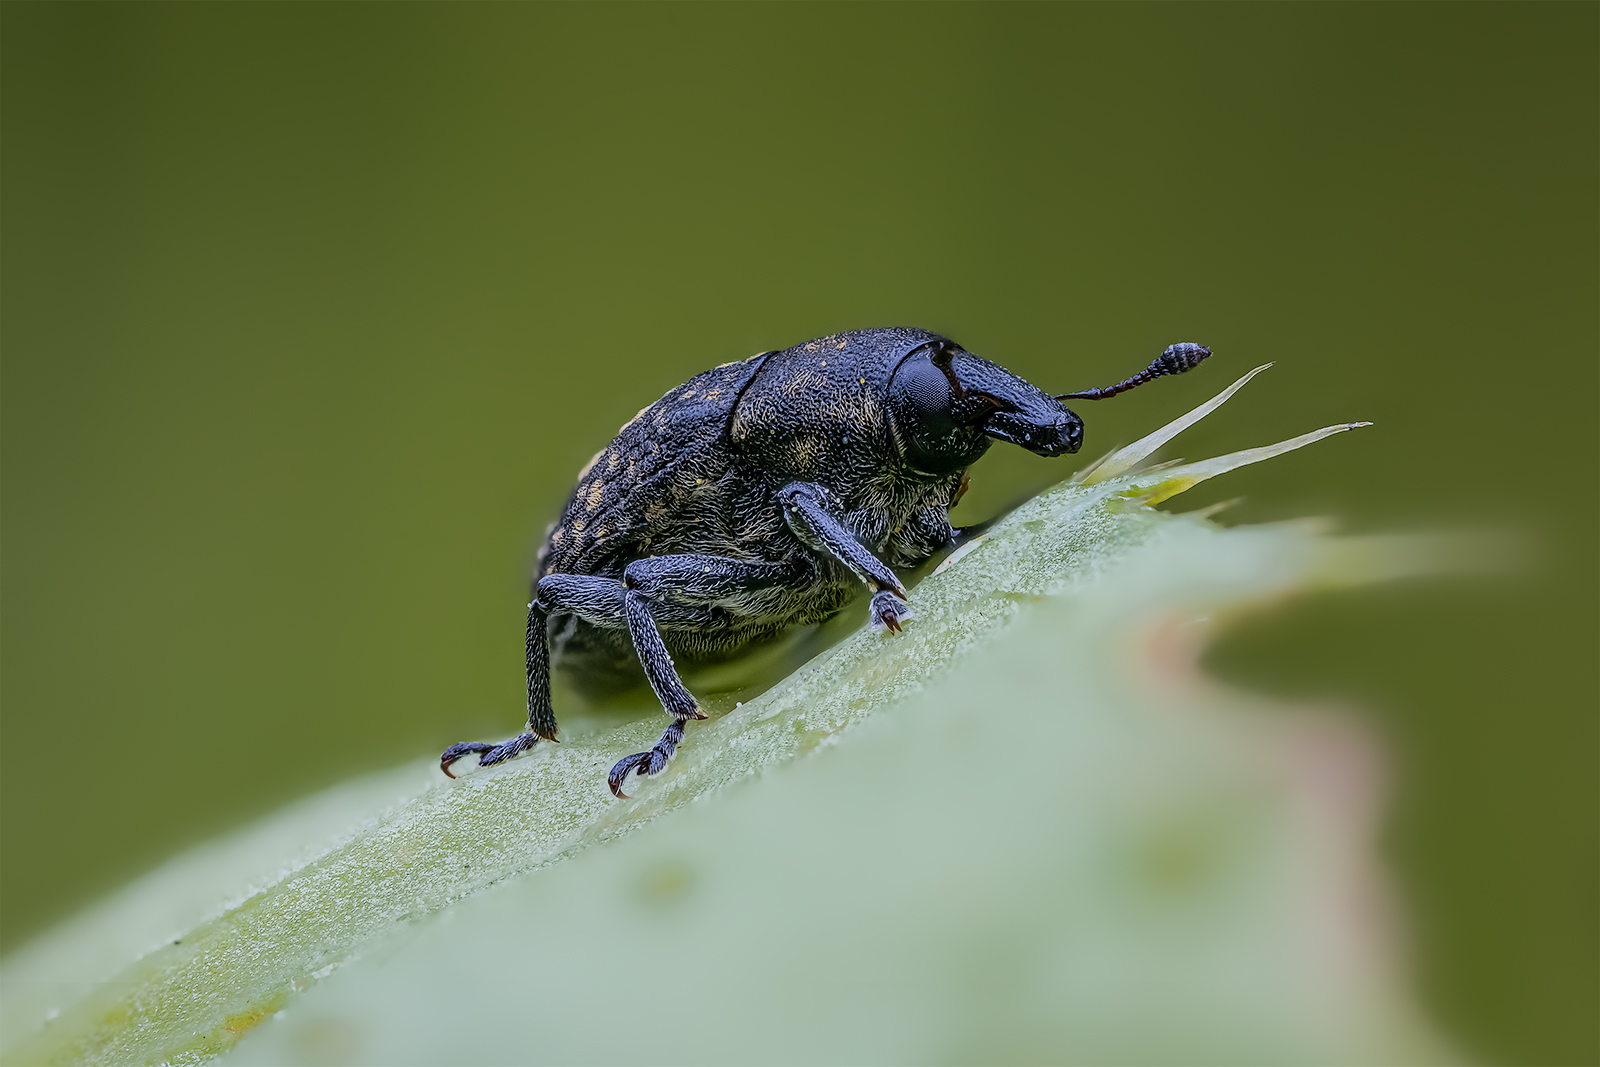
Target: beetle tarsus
<point>649,764</point>
<point>455,752</point>
<point>889,611</point>
<point>488,755</point>
<point>620,772</point>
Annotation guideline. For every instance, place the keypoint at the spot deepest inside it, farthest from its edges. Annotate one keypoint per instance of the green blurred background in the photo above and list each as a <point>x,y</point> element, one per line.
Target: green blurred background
<point>311,313</point>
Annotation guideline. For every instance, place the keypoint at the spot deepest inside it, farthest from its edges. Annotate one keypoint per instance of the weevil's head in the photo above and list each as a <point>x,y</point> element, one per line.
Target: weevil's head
<point>948,405</point>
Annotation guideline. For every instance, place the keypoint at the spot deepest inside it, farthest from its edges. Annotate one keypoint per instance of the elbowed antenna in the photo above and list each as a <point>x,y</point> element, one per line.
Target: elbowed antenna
<point>1184,355</point>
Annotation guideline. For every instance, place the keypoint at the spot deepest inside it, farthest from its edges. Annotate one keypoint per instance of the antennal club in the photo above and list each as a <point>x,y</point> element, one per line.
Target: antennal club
<point>1175,360</point>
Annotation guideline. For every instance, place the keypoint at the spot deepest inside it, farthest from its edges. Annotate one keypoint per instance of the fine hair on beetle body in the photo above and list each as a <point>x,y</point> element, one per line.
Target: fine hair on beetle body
<point>763,494</point>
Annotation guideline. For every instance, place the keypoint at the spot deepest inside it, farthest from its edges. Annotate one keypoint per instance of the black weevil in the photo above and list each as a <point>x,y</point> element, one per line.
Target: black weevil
<point>757,495</point>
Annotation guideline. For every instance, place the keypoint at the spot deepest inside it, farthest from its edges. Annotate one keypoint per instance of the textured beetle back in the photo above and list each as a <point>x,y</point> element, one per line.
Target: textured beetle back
<point>650,475</point>
<point>816,411</point>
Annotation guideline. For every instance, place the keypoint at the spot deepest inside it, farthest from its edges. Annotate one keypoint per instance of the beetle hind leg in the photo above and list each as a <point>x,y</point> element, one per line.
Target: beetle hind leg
<point>541,716</point>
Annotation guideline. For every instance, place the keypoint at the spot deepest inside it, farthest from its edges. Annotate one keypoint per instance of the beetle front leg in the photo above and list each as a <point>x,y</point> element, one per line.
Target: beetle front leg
<point>810,510</point>
<point>541,715</point>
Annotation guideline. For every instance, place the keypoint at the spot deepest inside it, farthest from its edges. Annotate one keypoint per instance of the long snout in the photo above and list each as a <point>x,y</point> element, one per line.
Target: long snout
<point>1045,433</point>
<point>1025,415</point>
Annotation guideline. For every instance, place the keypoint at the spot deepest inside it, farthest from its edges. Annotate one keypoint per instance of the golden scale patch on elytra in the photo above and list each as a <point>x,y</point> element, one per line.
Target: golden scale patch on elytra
<point>637,415</point>
<point>597,493</point>
<point>612,462</point>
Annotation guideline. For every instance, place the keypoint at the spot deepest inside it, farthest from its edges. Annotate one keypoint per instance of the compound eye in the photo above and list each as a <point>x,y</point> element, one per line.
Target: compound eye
<point>922,392</point>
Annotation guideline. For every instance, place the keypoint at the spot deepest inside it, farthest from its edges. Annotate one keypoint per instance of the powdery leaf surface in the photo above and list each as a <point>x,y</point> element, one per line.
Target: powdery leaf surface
<point>1036,834</point>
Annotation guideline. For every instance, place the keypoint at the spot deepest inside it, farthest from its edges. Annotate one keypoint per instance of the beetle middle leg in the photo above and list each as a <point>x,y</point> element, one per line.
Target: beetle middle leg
<point>679,592</point>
